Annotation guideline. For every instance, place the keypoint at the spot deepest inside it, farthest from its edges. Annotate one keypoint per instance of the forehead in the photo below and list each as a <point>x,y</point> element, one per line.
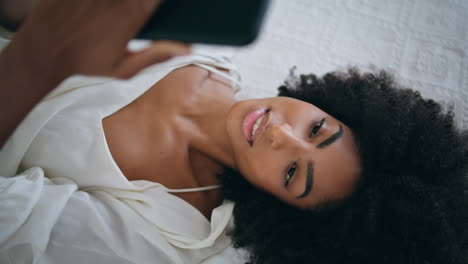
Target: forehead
<point>293,103</point>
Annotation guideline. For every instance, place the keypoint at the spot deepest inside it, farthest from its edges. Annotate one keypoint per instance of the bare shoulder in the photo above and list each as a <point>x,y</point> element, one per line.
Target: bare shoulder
<point>196,76</point>
<point>190,74</point>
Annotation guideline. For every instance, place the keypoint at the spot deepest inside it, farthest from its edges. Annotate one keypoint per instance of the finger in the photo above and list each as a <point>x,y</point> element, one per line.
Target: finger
<point>160,51</point>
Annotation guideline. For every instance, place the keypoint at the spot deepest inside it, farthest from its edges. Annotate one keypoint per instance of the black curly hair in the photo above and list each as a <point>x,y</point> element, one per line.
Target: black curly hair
<point>410,204</point>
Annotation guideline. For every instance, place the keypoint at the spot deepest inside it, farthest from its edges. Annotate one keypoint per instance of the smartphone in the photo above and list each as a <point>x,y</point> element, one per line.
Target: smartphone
<point>224,22</point>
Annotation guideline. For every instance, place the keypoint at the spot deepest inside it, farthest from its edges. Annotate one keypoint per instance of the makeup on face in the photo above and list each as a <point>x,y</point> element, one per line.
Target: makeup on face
<point>252,122</point>
<point>317,156</point>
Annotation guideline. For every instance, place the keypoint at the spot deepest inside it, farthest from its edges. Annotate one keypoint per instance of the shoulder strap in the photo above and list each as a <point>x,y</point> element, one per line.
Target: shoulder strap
<point>199,189</point>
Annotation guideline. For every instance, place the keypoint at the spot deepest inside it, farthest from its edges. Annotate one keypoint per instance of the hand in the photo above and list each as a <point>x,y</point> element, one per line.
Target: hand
<point>60,38</point>
<point>90,37</point>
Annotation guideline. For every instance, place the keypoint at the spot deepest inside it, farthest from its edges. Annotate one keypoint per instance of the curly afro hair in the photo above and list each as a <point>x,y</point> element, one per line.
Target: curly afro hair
<point>410,204</point>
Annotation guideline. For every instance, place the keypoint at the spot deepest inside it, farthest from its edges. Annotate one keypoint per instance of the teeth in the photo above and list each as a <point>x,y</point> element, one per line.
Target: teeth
<point>255,126</point>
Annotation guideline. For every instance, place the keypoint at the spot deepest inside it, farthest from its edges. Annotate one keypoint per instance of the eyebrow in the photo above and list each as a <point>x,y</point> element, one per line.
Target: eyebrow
<point>309,180</point>
<point>331,139</point>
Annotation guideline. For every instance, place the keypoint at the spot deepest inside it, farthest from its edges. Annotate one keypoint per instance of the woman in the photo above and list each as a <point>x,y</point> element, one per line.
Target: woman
<point>177,126</point>
<point>409,202</point>
<point>170,132</point>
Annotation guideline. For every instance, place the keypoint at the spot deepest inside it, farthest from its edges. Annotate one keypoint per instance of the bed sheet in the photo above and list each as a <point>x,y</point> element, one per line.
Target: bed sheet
<point>424,42</point>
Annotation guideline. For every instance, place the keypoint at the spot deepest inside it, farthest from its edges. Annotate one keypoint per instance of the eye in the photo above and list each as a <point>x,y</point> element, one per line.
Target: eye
<point>290,173</point>
<point>316,127</point>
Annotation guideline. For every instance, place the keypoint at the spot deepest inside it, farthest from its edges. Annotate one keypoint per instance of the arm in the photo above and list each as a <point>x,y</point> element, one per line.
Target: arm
<point>61,38</point>
<point>22,87</point>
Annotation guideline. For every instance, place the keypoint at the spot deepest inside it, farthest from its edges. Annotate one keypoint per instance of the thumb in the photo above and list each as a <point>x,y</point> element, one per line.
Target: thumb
<point>160,51</point>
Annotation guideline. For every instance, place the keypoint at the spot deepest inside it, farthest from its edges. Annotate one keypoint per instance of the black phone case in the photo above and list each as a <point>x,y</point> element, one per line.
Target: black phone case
<point>227,22</point>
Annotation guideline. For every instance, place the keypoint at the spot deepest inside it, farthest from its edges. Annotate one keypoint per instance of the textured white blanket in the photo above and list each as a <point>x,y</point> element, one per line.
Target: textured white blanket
<point>424,42</point>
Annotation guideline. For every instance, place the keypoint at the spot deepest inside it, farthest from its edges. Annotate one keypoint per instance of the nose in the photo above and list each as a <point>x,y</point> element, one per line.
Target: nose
<point>280,135</point>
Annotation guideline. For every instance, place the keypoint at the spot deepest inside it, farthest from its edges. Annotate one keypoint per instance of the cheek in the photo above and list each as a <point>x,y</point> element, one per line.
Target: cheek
<point>261,171</point>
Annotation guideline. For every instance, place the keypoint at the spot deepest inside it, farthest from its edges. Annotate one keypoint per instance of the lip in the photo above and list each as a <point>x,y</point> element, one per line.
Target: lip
<point>249,121</point>
<point>261,126</point>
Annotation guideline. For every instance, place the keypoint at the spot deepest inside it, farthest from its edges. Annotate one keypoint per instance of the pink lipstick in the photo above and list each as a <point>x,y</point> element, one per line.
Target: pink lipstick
<point>249,121</point>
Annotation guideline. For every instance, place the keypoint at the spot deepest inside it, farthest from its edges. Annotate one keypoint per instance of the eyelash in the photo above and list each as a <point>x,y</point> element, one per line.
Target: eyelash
<point>288,176</point>
<point>315,129</point>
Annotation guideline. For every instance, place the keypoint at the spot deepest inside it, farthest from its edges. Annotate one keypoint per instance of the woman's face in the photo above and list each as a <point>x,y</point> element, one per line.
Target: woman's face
<point>293,150</point>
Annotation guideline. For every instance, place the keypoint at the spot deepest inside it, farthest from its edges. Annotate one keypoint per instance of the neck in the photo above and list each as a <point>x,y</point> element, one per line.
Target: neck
<point>207,119</point>
<point>195,115</point>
